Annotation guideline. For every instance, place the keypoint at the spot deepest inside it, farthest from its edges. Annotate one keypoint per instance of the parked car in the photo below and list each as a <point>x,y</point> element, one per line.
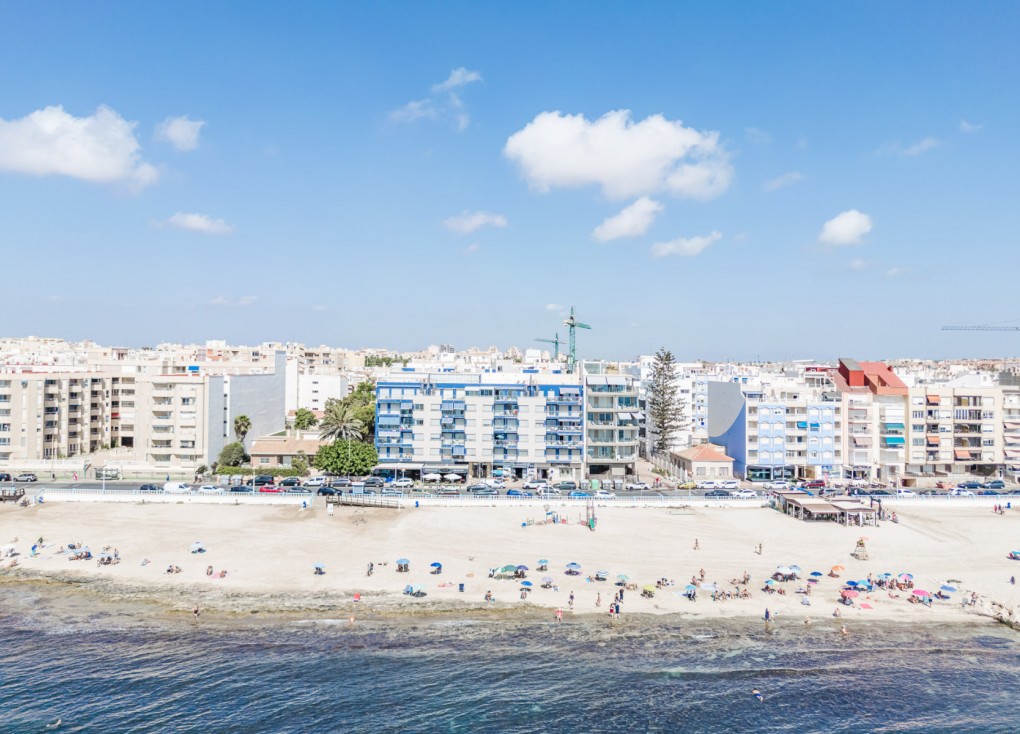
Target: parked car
<point>391,492</point>
<point>687,485</point>
<point>566,486</point>
<point>342,483</point>
<point>994,484</point>
<point>450,491</point>
<point>708,484</point>
<point>905,493</point>
<point>730,484</point>
<point>374,482</point>
<point>988,493</point>
<point>605,495</point>
<point>518,493</point>
<point>6,478</point>
<point>535,484</point>
<point>403,482</point>
<point>262,479</point>
<point>578,495</point>
<point>550,492</point>
<point>744,494</point>
<point>362,491</point>
<point>475,487</point>
<point>271,489</point>
<point>210,489</point>
<point>879,492</point>
<point>486,492</point>
<point>316,482</point>
<point>715,493</point>
<point>638,486</point>
<point>494,483</point>
<point>960,492</point>
<point>814,484</point>
<point>290,482</point>
<point>326,492</point>
<point>176,488</point>
<point>26,477</point>
<point>242,489</point>
<point>777,484</point>
<point>149,488</point>
<point>969,485</point>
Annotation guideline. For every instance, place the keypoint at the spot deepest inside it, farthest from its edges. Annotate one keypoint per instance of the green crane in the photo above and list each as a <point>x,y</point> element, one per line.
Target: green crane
<point>574,325</point>
<point>556,346</point>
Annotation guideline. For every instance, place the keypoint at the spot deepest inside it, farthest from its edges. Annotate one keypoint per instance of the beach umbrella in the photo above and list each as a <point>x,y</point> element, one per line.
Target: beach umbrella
<point>947,587</point>
<point>690,587</point>
<point>432,477</point>
<point>543,562</point>
<point>784,570</point>
<point>402,562</point>
<point>770,582</point>
<point>651,588</point>
<point>885,575</point>
<point>906,577</point>
<point>602,573</point>
<point>622,577</point>
<point>795,569</point>
<point>854,584</point>
<point>526,583</point>
<point>574,566</point>
<point>197,546</point>
<point>709,587</point>
<point>436,565</point>
<point>812,581</point>
<point>547,579</point>
<point>319,565</point>
<point>920,592</point>
<point>416,589</point>
<point>522,568</point>
<point>839,568</point>
<point>816,573</point>
<point>509,568</point>
<point>849,593</point>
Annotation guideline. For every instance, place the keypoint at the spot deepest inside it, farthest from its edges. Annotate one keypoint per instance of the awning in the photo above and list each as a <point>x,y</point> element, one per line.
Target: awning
<point>933,399</point>
<point>399,467</point>
<point>1013,453</point>
<point>570,391</point>
<point>864,441</point>
<point>894,426</point>
<point>894,440</point>
<point>801,424</point>
<point>961,454</point>
<point>625,416</point>
<point>1012,426</point>
<point>444,468</point>
<point>814,426</point>
<point>933,440</point>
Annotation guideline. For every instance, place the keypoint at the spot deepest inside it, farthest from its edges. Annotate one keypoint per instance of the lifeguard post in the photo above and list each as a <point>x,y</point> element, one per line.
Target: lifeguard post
<point>860,552</point>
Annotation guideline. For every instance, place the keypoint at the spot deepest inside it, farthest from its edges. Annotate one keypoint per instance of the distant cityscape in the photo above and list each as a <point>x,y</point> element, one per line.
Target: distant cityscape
<point>69,407</point>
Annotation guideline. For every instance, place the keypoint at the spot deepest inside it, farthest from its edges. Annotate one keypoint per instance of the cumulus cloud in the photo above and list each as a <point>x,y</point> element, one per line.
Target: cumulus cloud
<point>757,136</point>
<point>846,228</point>
<point>180,132</point>
<point>458,78</point>
<point>443,104</point>
<point>894,272</point>
<point>101,147</point>
<point>787,179</point>
<point>969,127</point>
<point>685,246</point>
<point>467,222</point>
<point>910,151</point>
<point>634,220</point>
<point>555,307</point>
<point>198,223</point>
<point>471,249</point>
<point>623,157</point>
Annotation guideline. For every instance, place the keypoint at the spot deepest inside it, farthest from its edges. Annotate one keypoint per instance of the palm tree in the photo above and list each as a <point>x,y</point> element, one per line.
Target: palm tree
<point>338,423</point>
<point>242,424</point>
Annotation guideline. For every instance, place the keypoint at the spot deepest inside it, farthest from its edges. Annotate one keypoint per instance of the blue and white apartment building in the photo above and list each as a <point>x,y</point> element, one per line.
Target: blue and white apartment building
<point>792,430</point>
<point>525,424</point>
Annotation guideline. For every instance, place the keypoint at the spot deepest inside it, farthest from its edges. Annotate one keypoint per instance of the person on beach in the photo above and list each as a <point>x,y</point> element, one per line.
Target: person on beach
<point>768,616</point>
<point>1012,580</point>
<point>696,546</point>
<point>598,600</point>
<point>844,631</point>
<point>570,601</point>
<point>702,573</point>
<point>197,611</point>
<point>757,694</point>
<point>807,621</point>
<point>837,614</point>
<point>208,570</point>
<point>488,596</point>
<point>559,614</point>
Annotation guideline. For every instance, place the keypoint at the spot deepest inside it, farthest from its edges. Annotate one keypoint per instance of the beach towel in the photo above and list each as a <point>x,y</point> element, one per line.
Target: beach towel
<point>866,606</point>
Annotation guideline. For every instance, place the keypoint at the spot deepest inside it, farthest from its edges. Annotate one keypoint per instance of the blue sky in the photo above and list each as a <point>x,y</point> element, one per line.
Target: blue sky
<point>733,180</point>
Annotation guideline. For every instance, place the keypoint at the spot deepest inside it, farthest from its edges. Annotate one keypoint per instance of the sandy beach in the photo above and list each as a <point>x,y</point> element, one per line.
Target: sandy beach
<point>269,553</point>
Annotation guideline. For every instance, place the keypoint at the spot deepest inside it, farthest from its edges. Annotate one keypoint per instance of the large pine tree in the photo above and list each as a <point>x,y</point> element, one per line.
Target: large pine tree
<point>665,407</point>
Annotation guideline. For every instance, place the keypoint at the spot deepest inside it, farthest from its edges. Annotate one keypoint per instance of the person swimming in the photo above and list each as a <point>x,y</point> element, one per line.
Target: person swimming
<point>757,694</point>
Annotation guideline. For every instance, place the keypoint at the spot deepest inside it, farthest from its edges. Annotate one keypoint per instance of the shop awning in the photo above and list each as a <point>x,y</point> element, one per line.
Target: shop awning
<point>399,467</point>
<point>894,440</point>
<point>894,426</point>
<point>933,399</point>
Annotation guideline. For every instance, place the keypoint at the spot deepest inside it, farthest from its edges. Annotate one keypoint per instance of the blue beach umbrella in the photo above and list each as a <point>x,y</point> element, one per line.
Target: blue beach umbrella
<point>522,568</point>
<point>948,588</point>
<point>543,561</point>
<point>885,575</point>
<point>319,565</point>
<point>574,566</point>
<point>436,565</point>
<point>526,583</point>
<point>770,582</point>
<point>816,573</point>
<point>690,587</point>
<point>795,569</point>
<point>402,561</point>
<point>851,583</point>
<point>547,579</point>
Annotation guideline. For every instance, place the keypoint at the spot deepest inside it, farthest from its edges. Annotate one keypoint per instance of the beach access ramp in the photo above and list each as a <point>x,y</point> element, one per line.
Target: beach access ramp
<point>363,500</point>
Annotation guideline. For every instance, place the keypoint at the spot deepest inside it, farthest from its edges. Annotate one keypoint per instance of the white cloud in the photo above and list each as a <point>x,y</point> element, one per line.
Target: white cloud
<point>787,179</point>
<point>319,308</point>
<point>757,136</point>
<point>180,132</point>
<point>624,157</point>
<point>969,127</point>
<point>685,246</point>
<point>555,307</point>
<point>242,301</point>
<point>415,110</point>
<point>894,272</point>
<point>246,300</point>
<point>219,301</point>
<point>910,151</point>
<point>101,147</point>
<point>847,228</point>
<point>458,78</point>
<point>199,223</point>
<point>471,249</point>
<point>470,221</point>
<point>858,264</point>
<point>634,220</point>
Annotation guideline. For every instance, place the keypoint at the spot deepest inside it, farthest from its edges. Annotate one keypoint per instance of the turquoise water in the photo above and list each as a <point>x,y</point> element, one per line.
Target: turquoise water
<point>100,674</point>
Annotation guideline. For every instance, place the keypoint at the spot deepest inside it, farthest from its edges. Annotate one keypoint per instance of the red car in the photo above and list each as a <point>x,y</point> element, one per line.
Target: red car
<point>814,484</point>
<point>271,488</point>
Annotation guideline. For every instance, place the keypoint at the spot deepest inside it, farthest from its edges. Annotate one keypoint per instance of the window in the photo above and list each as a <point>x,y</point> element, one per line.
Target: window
<point>263,460</point>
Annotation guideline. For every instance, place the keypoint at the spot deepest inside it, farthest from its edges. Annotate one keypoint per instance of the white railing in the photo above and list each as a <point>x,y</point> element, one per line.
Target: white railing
<point>77,494</point>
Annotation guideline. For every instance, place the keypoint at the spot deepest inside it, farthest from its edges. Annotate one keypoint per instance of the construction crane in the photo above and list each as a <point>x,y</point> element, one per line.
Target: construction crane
<point>574,325</point>
<point>981,328</point>
<point>556,346</point>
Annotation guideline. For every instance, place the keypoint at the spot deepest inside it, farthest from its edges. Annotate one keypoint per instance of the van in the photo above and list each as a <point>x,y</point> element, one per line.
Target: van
<point>176,488</point>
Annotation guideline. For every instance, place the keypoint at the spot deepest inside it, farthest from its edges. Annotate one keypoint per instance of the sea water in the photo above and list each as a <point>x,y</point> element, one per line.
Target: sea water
<point>109,672</point>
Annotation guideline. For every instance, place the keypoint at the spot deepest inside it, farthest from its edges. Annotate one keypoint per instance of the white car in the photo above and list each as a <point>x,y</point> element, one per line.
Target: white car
<point>391,492</point>
<point>777,484</point>
<point>729,484</point>
<point>957,492</point>
<point>549,492</point>
<point>745,494</point>
<point>316,482</point>
<point>402,482</point>
<point>535,484</point>
<point>495,483</point>
<point>210,489</point>
<point>708,484</point>
<point>904,493</point>
<point>604,495</point>
<point>638,486</point>
<point>176,488</point>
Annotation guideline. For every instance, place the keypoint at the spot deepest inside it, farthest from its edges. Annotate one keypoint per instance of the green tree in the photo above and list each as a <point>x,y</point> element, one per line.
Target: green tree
<point>304,419</point>
<point>666,409</point>
<point>366,415</point>
<point>340,423</point>
<point>233,454</point>
<point>346,458</point>
<point>300,464</point>
<point>242,424</point>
